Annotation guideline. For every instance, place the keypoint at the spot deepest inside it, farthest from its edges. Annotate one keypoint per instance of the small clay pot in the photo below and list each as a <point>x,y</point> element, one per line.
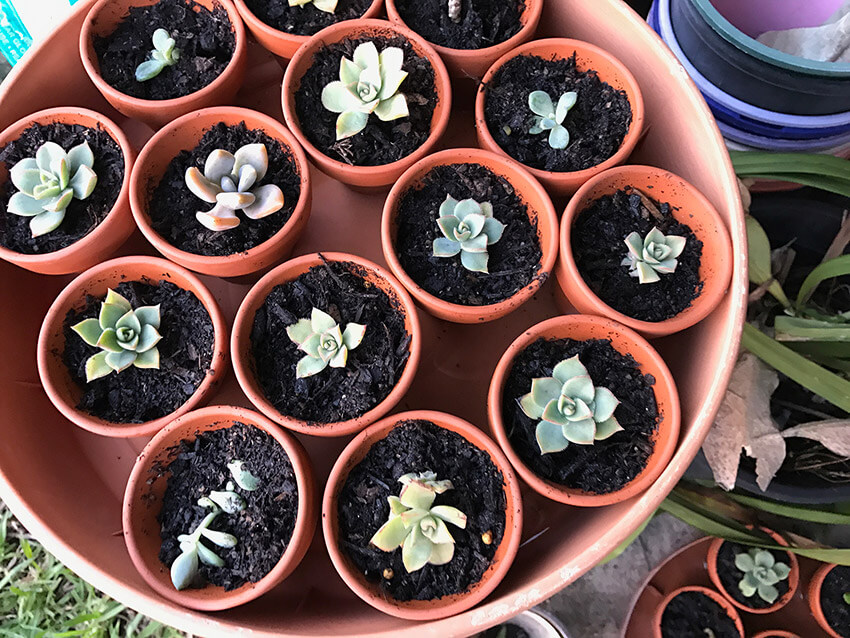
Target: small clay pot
<point>690,207</point>
<point>367,177</point>
<point>776,633</point>
<point>813,596</point>
<point>625,341</point>
<point>588,57</point>
<point>421,610</point>
<point>146,487</point>
<point>184,134</point>
<point>105,16</point>
<point>243,359</point>
<point>64,393</point>
<point>529,190</point>
<point>116,227</point>
<point>720,600</point>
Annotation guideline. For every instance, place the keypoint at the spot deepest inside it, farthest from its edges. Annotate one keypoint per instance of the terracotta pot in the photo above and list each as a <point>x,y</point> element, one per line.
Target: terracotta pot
<point>184,134</point>
<point>64,393</point>
<point>113,231</point>
<point>105,16</point>
<point>529,190</point>
<point>243,359</point>
<point>446,606</point>
<point>371,177</point>
<point>690,207</point>
<point>720,600</point>
<point>473,63</point>
<point>813,596</point>
<point>625,341</point>
<point>775,633</point>
<point>588,57</point>
<point>146,487</point>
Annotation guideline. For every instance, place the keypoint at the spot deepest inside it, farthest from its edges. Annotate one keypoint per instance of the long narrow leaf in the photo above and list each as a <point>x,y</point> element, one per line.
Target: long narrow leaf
<point>797,512</point>
<point>801,329</point>
<point>705,524</point>
<point>829,184</point>
<point>837,267</point>
<point>746,162</point>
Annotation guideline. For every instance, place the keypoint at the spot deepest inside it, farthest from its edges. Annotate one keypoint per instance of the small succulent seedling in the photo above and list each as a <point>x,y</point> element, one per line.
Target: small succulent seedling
<point>761,573</point>
<point>549,117</point>
<point>323,342</point>
<point>125,336</point>
<point>184,569</point>
<point>328,6</point>
<point>468,228</point>
<point>367,84</point>
<point>228,500</point>
<point>652,256</point>
<point>570,408</point>
<point>165,53</point>
<point>417,527</point>
<point>49,182</point>
<point>846,597</point>
<point>454,10</point>
<point>230,182</point>
<point>243,476</point>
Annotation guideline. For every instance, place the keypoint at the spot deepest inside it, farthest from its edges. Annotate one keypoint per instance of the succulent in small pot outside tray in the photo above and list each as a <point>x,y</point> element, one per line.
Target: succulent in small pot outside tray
<point>761,573</point>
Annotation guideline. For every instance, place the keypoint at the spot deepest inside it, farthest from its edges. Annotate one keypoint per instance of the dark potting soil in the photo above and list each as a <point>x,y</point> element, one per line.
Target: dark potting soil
<point>478,492</point>
<point>306,19</point>
<point>507,630</point>
<point>263,529</point>
<point>81,216</point>
<point>483,23</point>
<point>598,245</point>
<point>380,142</point>
<point>730,575</point>
<point>607,465</point>
<point>204,37</point>
<point>690,613</point>
<point>173,206</point>
<point>137,395</point>
<point>514,259</point>
<point>836,585</point>
<point>597,123</point>
<point>373,368</point>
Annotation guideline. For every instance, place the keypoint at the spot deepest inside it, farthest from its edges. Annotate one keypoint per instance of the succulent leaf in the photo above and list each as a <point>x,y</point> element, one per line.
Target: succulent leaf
<point>468,227</point>
<point>243,476</point>
<point>548,117</point>
<point>165,53</point>
<point>761,574</point>
<point>649,257</point>
<point>323,342</point>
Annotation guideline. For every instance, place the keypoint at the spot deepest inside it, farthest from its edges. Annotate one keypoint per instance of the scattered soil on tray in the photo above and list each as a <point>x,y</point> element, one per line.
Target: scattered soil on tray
<point>690,613</point>
<point>607,465</point>
<point>81,216</point>
<point>263,529</point>
<point>514,259</point>
<point>306,19</point>
<point>836,585</point>
<point>478,492</point>
<point>138,395</point>
<point>730,575</point>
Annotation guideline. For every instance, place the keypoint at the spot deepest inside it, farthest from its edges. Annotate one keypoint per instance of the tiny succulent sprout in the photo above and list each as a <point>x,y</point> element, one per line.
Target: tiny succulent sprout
<point>165,53</point>
<point>549,117</point>
<point>454,10</point>
<point>242,476</point>
<point>419,527</point>
<point>49,182</point>
<point>846,597</point>
<point>652,256</point>
<point>323,342</point>
<point>328,6</point>
<point>228,500</point>
<point>230,181</point>
<point>367,84</point>
<point>761,573</point>
<point>468,228</point>
<point>570,408</point>
<point>184,569</point>
<point>126,337</point>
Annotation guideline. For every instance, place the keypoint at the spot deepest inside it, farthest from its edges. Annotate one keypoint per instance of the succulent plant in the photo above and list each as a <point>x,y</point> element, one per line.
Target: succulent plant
<point>184,569</point>
<point>328,6</point>
<point>125,336</point>
<point>761,573</point>
<point>846,597</point>
<point>550,117</point>
<point>652,256</point>
<point>49,182</point>
<point>570,408</point>
<point>417,526</point>
<point>243,476</point>
<point>165,53</point>
<point>468,228</point>
<point>454,10</point>
<point>367,84</point>
<point>227,500</point>
<point>324,342</point>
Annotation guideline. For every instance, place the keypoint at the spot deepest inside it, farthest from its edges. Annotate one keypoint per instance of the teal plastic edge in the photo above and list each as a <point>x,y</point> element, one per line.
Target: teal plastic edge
<point>15,39</point>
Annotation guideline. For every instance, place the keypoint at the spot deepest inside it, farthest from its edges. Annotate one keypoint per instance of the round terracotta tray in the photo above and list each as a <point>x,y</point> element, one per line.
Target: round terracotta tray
<point>66,484</point>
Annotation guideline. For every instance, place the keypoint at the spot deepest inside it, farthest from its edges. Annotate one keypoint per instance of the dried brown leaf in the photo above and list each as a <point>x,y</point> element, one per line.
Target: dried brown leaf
<point>833,434</point>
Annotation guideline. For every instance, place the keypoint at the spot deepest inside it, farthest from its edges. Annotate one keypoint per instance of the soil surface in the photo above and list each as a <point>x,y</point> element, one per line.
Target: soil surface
<point>136,395</point>
<point>690,613</point>
<point>380,142</point>
<point>483,23</point>
<point>506,631</point>
<point>306,19</point>
<point>81,216</point>
<point>597,123</point>
<point>598,244</point>
<point>373,368</point>
<point>263,528</point>
<point>205,38</point>
<point>478,492</point>
<point>730,575</point>
<point>836,585</point>
<point>514,259</point>
<point>607,465</point>
<point>173,206</point>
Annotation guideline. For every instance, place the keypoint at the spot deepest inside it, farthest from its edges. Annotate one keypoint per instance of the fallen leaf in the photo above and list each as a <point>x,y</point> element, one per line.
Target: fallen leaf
<point>833,434</point>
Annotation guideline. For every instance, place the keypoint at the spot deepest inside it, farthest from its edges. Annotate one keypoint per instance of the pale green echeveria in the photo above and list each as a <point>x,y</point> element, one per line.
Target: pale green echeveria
<point>652,256</point>
<point>230,181</point>
<point>126,337</point>
<point>165,53</point>
<point>228,500</point>
<point>570,408</point>
<point>243,476</point>
<point>49,182</point>
<point>550,117</point>
<point>323,342</point>
<point>184,569</point>
<point>468,228</point>
<point>427,478</point>
<point>419,527</point>
<point>328,6</point>
<point>367,84</point>
<point>761,574</point>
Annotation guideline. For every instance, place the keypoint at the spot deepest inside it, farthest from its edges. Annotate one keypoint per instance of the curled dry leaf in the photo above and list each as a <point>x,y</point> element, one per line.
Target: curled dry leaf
<point>834,434</point>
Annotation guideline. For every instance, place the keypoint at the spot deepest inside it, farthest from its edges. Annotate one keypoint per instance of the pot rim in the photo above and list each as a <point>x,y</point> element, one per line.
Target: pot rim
<point>814,592</point>
<point>715,596</point>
